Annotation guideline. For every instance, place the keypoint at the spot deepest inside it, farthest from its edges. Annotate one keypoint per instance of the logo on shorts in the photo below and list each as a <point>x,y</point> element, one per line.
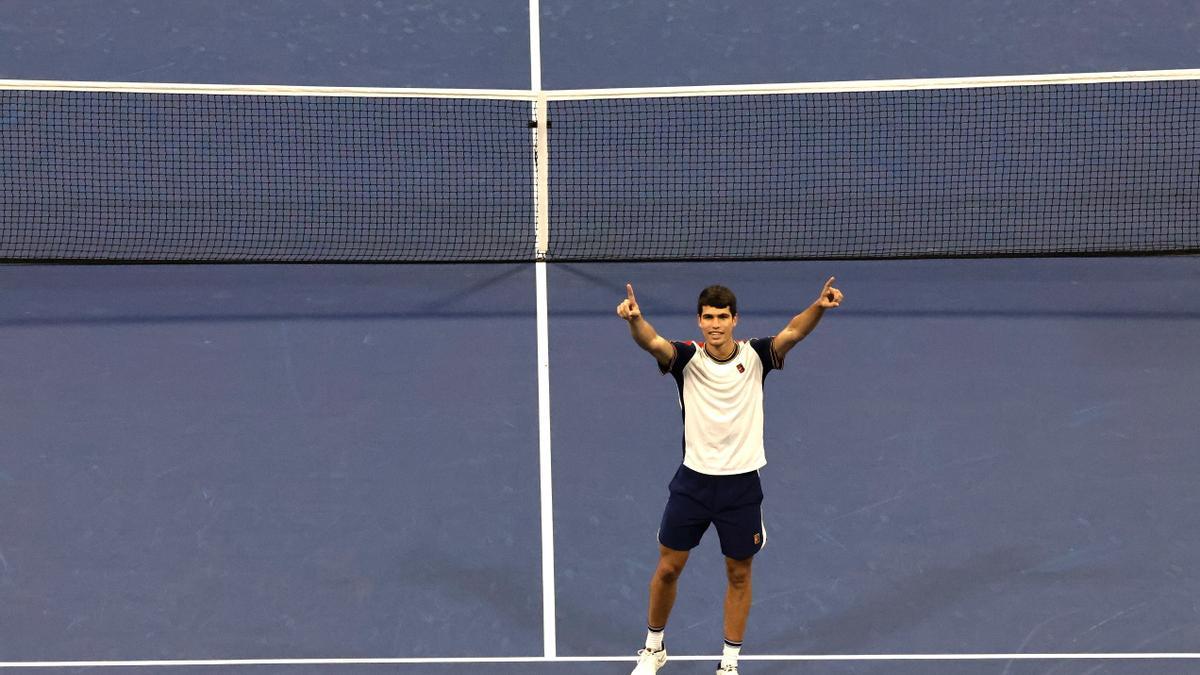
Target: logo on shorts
<point>757,538</point>
<point>742,369</point>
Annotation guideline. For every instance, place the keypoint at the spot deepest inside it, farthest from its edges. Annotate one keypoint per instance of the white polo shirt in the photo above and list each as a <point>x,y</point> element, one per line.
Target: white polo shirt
<point>722,405</point>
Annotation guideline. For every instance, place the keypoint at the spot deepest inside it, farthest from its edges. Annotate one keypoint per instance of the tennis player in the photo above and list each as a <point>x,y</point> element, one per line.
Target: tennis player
<point>720,384</point>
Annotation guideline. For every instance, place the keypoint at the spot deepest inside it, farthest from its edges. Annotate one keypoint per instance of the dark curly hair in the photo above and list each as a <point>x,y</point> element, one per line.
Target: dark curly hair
<point>719,297</point>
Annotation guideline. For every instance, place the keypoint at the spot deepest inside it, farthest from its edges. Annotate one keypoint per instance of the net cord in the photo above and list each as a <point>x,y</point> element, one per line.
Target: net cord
<point>533,95</point>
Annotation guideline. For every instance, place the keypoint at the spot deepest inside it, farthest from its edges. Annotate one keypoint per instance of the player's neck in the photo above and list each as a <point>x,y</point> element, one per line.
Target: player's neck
<point>723,352</point>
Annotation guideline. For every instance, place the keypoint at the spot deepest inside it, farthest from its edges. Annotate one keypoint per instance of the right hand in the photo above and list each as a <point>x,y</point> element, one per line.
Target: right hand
<point>628,309</point>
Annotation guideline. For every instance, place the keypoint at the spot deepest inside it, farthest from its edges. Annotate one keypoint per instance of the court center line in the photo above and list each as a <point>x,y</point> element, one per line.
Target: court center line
<point>600,659</point>
<point>549,636</point>
<point>541,229</point>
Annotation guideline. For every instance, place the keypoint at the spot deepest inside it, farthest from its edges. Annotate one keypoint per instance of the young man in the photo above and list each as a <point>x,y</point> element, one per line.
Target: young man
<point>720,391</point>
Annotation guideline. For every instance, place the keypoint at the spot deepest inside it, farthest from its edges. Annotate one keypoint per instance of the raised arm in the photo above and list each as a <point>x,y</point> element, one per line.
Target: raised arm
<point>803,323</point>
<point>641,330</point>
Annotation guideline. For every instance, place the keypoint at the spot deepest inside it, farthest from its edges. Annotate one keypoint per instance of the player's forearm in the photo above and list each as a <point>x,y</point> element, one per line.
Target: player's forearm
<point>643,333</point>
<point>803,323</point>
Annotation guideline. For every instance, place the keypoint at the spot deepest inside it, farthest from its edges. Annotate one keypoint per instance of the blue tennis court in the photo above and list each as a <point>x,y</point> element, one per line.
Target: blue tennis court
<point>949,460</point>
<point>980,465</point>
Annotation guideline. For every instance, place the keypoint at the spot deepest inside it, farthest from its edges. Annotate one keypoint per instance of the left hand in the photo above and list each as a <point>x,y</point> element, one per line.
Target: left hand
<point>830,297</point>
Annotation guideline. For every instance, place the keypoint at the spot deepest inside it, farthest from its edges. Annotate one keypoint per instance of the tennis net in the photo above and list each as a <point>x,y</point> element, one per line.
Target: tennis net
<point>1054,165</point>
<point>164,176</point>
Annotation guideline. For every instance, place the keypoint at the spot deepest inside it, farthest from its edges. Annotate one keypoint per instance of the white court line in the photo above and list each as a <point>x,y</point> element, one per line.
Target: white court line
<point>549,613</point>
<point>600,659</point>
<point>535,46</point>
<point>549,635</point>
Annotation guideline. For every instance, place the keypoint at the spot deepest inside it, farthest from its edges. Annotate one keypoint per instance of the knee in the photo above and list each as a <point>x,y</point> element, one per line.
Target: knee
<point>668,572</point>
<point>738,576</point>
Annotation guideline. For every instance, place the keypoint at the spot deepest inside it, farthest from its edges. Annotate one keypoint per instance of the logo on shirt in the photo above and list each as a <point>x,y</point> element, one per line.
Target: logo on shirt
<point>757,538</point>
<point>741,368</point>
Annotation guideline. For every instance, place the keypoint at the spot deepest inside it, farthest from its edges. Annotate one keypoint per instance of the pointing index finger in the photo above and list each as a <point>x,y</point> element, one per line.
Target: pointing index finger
<point>629,293</point>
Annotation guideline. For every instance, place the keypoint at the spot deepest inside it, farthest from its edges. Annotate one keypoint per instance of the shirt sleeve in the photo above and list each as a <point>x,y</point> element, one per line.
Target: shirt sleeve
<point>765,349</point>
<point>684,351</point>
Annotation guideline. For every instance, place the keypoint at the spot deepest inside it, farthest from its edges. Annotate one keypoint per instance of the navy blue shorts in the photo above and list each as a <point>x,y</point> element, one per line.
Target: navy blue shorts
<point>732,503</point>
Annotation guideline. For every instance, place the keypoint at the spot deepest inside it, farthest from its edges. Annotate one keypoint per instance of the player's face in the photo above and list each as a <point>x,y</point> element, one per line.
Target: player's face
<point>716,325</point>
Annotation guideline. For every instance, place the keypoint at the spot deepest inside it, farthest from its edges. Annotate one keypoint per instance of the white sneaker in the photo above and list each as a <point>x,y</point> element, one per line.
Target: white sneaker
<point>649,662</point>
<point>727,670</point>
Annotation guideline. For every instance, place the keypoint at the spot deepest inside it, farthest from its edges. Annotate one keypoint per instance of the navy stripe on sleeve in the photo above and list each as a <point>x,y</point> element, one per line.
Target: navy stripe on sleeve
<point>765,349</point>
<point>684,351</point>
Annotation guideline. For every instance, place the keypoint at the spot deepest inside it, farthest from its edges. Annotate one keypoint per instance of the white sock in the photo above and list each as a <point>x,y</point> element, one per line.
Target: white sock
<point>729,655</point>
<point>654,639</point>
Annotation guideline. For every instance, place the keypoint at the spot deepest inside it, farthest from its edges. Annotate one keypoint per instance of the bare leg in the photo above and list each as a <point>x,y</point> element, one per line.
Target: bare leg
<point>737,598</point>
<point>663,584</point>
